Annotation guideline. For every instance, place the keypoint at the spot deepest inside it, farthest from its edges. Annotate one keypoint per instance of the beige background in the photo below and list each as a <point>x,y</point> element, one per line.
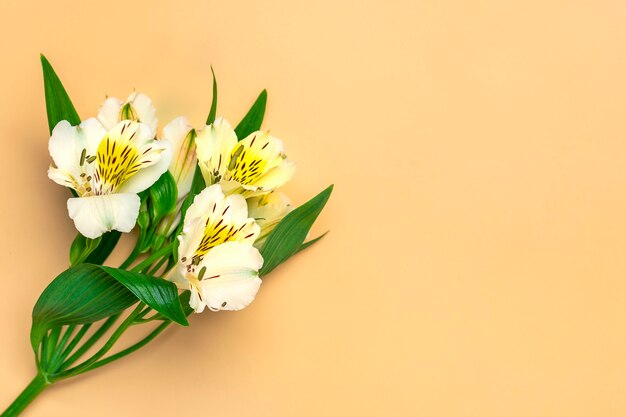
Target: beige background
<point>476,261</point>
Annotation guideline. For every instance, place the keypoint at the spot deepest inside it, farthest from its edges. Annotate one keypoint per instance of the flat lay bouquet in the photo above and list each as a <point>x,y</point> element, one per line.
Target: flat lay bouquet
<point>204,205</point>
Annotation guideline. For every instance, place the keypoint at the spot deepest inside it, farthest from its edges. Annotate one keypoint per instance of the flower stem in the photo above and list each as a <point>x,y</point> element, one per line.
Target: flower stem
<point>89,343</point>
<point>133,255</point>
<point>85,366</point>
<point>130,349</point>
<point>37,385</point>
<point>147,263</point>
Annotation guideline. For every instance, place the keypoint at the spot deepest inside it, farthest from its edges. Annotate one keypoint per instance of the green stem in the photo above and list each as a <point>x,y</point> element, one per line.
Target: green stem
<point>133,255</point>
<point>53,338</point>
<point>90,342</point>
<point>79,336</point>
<point>43,357</point>
<point>85,366</point>
<point>158,265</point>
<point>150,260</point>
<point>130,349</point>
<point>37,385</point>
<point>57,355</point>
<point>57,346</point>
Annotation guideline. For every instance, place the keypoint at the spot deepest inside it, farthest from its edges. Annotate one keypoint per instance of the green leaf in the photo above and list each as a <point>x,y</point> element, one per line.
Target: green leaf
<point>287,237</point>
<point>82,247</point>
<point>81,294</point>
<point>158,293</point>
<point>163,197</point>
<point>252,121</point>
<point>58,104</point>
<point>213,110</point>
<point>184,302</point>
<point>311,242</point>
<point>107,244</point>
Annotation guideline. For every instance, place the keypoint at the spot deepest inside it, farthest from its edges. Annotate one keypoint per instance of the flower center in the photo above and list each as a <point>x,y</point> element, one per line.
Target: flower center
<point>118,160</point>
<point>216,232</point>
<point>245,164</point>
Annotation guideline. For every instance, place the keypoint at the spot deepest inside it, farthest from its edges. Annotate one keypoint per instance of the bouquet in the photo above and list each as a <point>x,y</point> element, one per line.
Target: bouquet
<point>211,222</point>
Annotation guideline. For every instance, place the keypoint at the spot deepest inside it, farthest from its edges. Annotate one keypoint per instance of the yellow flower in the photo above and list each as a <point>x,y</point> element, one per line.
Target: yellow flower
<point>253,166</point>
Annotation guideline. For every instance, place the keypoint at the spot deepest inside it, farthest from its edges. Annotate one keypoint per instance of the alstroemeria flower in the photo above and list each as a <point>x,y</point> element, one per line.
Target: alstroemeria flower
<point>183,166</point>
<point>253,166</point>
<point>107,170</point>
<point>268,210</point>
<point>137,107</point>
<point>217,261</point>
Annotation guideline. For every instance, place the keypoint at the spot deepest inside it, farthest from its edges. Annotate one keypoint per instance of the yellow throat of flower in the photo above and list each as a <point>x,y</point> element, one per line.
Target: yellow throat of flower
<point>216,233</point>
<point>117,162</point>
<point>245,164</point>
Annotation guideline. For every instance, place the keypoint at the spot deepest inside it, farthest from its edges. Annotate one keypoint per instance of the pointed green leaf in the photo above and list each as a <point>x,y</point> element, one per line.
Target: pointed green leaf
<point>58,104</point>
<point>311,242</point>
<point>82,247</point>
<point>287,237</point>
<point>184,297</point>
<point>252,121</point>
<point>184,302</point>
<point>158,293</point>
<point>213,110</point>
<point>81,294</point>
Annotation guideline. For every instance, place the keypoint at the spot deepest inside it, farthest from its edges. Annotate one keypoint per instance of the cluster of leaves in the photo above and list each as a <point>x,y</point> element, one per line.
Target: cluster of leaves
<point>88,292</point>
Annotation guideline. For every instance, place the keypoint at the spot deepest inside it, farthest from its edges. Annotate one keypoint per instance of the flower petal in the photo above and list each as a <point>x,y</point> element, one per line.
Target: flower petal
<point>174,275</point>
<point>96,215</point>
<point>62,177</point>
<point>203,203</point>
<point>145,110</point>
<point>195,300</point>
<point>212,206</point>
<point>267,211</point>
<point>212,219</point>
<point>275,178</point>
<point>129,149</point>
<point>257,166</point>
<point>214,145</point>
<point>265,147</point>
<point>148,176</point>
<point>231,279</point>
<point>67,143</point>
<point>179,133</point>
<point>193,231</point>
<point>109,113</point>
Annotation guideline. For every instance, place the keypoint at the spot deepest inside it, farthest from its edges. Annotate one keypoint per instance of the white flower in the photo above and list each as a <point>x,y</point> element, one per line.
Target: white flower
<point>217,261</point>
<point>137,107</point>
<point>107,170</point>
<point>268,210</point>
<point>253,166</point>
